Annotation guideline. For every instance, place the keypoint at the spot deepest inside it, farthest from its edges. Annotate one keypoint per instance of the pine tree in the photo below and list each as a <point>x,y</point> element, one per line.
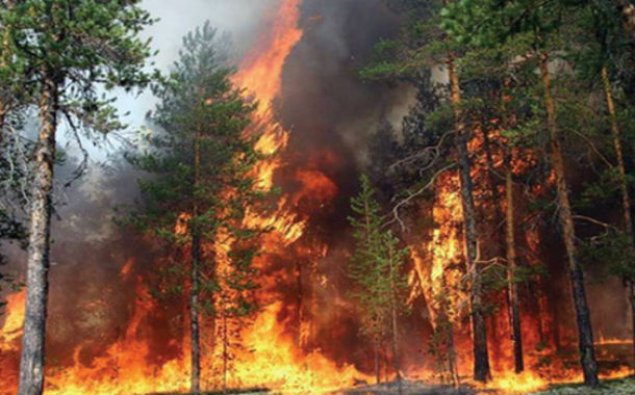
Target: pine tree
<point>202,163</point>
<point>376,268</point>
<point>488,23</point>
<point>62,53</point>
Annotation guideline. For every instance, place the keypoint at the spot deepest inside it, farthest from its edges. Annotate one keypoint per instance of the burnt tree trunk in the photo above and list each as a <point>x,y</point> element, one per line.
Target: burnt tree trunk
<point>225,343</point>
<point>3,116</point>
<point>393,313</point>
<point>583,316</point>
<point>626,199</point>
<point>631,294</point>
<point>479,331</point>
<point>33,340</point>
<point>195,383</point>
<point>511,254</point>
<point>446,328</point>
<point>377,362</point>
<point>512,286</point>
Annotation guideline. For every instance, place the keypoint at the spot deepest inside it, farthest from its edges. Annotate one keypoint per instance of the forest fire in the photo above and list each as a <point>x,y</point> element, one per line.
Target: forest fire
<point>310,331</point>
<point>268,356</point>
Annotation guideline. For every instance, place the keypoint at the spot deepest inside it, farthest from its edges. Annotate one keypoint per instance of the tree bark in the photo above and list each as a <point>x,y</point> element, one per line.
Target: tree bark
<point>225,344</point>
<point>393,312</point>
<point>512,286</point>
<point>194,276</point>
<point>3,117</point>
<point>446,327</point>
<point>33,341</point>
<point>583,317</point>
<point>631,292</point>
<point>377,363</point>
<point>479,331</point>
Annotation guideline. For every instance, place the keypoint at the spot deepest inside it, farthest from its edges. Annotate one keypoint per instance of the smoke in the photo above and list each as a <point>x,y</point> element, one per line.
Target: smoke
<point>330,113</point>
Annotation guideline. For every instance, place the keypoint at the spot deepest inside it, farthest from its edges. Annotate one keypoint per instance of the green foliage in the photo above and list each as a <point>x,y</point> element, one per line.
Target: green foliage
<point>610,251</point>
<point>376,266</point>
<point>84,47</point>
<point>201,111</point>
<point>413,51</point>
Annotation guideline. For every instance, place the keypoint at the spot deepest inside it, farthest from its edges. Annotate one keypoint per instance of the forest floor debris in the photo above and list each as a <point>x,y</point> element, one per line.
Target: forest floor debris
<point>610,387</point>
<point>408,388</point>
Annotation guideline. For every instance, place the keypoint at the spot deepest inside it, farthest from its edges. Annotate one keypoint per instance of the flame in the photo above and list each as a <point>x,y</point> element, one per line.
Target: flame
<point>270,354</point>
<point>12,327</point>
<point>276,362</point>
<point>261,71</point>
<point>523,383</point>
<point>270,357</point>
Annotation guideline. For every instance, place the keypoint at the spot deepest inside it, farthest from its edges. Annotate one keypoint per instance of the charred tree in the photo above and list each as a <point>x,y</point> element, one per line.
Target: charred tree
<point>512,286</point>
<point>511,253</point>
<point>576,275</point>
<point>479,331</point>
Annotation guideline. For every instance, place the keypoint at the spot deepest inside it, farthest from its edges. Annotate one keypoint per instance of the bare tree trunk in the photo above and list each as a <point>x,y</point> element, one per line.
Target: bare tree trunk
<point>195,383</point>
<point>395,348</point>
<point>512,287</point>
<point>452,366</point>
<point>377,363</point>
<point>585,331</point>
<point>481,354</point>
<point>446,327</point>
<point>33,341</point>
<point>619,153</point>
<point>3,116</point>
<point>225,344</point>
<point>511,254</point>
<point>393,311</point>
<point>626,199</point>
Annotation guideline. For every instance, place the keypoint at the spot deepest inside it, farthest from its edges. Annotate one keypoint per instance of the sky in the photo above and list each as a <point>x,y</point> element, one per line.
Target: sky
<point>241,18</point>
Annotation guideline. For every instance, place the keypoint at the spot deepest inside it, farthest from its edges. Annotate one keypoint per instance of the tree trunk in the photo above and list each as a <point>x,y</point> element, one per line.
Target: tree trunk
<point>626,199</point>
<point>33,341</point>
<point>512,287</point>
<point>446,327</point>
<point>393,312</point>
<point>481,354</point>
<point>225,344</point>
<point>194,278</point>
<point>585,331</point>
<point>3,116</point>
<point>377,363</point>
<point>451,350</point>
<point>619,153</point>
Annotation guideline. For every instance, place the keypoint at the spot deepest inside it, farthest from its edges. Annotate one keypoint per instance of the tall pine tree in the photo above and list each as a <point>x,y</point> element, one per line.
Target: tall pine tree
<point>201,162</point>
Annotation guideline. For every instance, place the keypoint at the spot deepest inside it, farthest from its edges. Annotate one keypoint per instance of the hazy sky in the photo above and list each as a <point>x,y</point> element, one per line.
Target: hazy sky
<point>242,18</point>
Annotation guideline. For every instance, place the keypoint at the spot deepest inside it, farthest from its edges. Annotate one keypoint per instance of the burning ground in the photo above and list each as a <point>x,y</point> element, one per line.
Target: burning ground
<point>109,332</point>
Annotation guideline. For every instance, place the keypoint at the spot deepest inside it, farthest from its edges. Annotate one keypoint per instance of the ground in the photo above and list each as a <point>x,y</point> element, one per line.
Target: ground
<point>615,387</point>
<point>407,388</point>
